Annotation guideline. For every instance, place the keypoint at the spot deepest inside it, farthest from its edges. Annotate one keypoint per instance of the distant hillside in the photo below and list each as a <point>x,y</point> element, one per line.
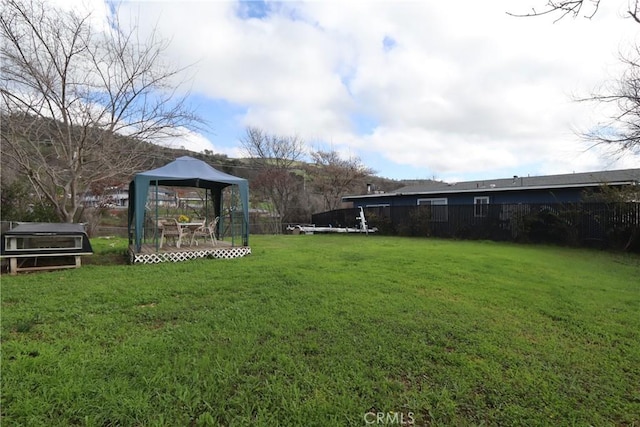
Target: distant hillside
<point>242,167</point>
<point>160,155</point>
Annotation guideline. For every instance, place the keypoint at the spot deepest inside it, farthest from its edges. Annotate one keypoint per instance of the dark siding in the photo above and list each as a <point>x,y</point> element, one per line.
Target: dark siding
<point>569,195</point>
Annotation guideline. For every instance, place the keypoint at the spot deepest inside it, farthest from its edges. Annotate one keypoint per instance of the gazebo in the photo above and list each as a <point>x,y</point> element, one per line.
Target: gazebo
<point>183,172</point>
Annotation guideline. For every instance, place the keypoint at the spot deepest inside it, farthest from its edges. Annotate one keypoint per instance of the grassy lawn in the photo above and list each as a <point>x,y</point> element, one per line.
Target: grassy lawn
<point>328,331</point>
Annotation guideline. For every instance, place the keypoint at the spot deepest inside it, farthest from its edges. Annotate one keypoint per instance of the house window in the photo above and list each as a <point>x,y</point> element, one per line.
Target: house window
<point>438,208</point>
<point>382,210</point>
<point>481,206</point>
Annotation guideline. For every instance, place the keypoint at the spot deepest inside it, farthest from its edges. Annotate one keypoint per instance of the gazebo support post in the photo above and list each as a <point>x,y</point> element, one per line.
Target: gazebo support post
<point>156,222</point>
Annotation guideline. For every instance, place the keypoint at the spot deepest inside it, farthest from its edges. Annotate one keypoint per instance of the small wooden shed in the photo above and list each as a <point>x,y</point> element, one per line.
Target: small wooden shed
<point>44,246</point>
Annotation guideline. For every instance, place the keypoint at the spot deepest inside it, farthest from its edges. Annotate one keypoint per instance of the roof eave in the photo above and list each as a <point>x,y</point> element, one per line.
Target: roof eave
<point>489,189</point>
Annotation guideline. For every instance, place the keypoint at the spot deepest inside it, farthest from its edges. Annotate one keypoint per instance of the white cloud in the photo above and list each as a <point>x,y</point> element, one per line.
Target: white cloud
<point>189,140</point>
<point>453,88</point>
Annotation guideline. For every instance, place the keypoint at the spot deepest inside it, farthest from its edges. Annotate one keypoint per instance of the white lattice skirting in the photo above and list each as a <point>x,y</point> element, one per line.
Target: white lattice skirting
<point>155,258</point>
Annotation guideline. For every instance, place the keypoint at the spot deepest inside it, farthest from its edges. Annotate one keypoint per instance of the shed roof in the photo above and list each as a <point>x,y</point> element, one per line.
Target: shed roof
<point>47,228</point>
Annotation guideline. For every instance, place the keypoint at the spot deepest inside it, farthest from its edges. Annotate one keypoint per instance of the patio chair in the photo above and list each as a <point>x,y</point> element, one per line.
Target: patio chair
<point>171,228</point>
<point>207,230</point>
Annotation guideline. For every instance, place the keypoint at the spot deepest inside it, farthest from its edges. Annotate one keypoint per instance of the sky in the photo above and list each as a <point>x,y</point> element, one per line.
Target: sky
<point>443,90</point>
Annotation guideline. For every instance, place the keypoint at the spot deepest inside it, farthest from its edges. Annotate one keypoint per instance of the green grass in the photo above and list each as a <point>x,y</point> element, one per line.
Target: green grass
<point>320,330</point>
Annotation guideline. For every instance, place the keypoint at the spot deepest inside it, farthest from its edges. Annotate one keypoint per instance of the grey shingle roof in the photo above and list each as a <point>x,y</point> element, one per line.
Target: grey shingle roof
<point>551,181</point>
<point>584,179</point>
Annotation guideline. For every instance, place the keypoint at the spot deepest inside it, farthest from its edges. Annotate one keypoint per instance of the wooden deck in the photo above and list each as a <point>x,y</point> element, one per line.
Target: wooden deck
<point>170,253</point>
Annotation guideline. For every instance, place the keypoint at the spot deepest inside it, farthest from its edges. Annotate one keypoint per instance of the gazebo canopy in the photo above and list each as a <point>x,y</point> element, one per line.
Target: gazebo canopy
<point>183,172</point>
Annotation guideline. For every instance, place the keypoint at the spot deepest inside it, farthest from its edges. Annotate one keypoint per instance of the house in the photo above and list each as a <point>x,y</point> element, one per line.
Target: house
<point>516,190</point>
<point>527,209</point>
<point>118,197</point>
<point>111,197</point>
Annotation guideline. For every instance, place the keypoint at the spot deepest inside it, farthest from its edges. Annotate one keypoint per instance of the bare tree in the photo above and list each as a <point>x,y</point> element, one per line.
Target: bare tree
<point>333,176</point>
<point>276,159</point>
<point>576,8</point>
<point>80,104</point>
<point>619,133</point>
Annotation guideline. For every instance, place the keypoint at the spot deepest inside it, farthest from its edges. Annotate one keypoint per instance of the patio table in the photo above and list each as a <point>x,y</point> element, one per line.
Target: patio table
<point>190,227</point>
<point>178,230</point>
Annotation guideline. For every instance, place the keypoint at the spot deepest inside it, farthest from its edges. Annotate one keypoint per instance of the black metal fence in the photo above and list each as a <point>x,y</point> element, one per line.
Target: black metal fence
<point>602,225</point>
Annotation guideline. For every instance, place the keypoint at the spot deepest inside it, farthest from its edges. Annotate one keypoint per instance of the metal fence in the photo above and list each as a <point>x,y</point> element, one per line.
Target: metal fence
<point>602,225</point>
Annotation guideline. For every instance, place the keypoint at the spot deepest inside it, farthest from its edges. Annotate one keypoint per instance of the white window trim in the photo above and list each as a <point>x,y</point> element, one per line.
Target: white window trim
<point>442,216</point>
<point>483,211</point>
<point>441,201</point>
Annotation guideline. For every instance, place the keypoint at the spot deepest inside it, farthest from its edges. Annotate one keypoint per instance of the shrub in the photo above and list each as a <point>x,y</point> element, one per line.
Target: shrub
<point>19,204</point>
